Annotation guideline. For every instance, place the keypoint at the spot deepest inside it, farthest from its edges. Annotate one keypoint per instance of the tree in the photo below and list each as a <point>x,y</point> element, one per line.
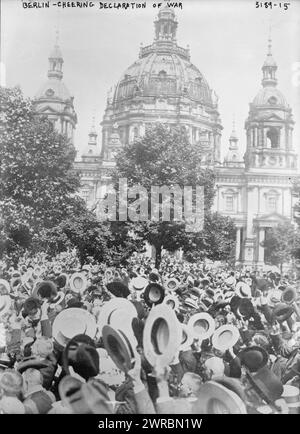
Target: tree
<point>108,242</point>
<point>164,157</point>
<point>38,184</point>
<point>216,241</point>
<point>282,244</point>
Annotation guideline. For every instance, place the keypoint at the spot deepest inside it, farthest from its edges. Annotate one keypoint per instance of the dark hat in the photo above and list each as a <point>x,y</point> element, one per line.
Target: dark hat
<point>253,358</point>
<point>153,277</point>
<point>245,308</point>
<point>289,295</point>
<point>80,353</point>
<point>154,294</point>
<point>282,312</point>
<point>118,289</point>
<point>47,289</point>
<point>266,384</point>
<point>61,280</point>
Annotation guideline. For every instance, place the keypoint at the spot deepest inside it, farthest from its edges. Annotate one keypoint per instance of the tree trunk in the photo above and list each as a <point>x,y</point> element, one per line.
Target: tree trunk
<point>157,256</point>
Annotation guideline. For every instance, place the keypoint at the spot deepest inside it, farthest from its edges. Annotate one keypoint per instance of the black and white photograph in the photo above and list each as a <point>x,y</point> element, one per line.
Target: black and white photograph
<point>150,210</point>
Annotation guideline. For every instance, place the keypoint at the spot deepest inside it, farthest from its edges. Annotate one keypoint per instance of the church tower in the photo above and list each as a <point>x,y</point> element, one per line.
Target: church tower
<point>53,98</point>
<point>269,126</point>
<point>270,161</point>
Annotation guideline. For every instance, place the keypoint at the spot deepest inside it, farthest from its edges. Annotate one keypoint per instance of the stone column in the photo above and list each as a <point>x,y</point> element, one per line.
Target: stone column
<point>238,244</point>
<point>261,250</point>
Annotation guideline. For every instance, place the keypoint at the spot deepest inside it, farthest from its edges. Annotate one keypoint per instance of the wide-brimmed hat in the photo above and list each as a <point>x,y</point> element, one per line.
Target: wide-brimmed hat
<point>5,304</point>
<point>31,362</point>
<point>71,322</point>
<point>154,294</point>
<point>78,283</point>
<point>111,309</point>
<point>245,308</point>
<point>190,302</point>
<point>172,284</point>
<point>138,283</point>
<point>187,337</point>
<point>214,398</point>
<point>266,384</point>
<point>172,301</point>
<point>243,290</point>
<point>118,289</point>
<point>254,358</point>
<point>202,325</point>
<point>230,281</point>
<point>15,282</point>
<point>282,312</point>
<point>225,337</point>
<point>162,335</point>
<point>80,353</point>
<point>4,287</point>
<point>120,346</point>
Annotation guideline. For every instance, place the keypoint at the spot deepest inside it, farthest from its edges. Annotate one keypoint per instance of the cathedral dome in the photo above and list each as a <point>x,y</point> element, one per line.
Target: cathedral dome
<point>164,68</point>
<point>159,73</point>
<point>270,96</point>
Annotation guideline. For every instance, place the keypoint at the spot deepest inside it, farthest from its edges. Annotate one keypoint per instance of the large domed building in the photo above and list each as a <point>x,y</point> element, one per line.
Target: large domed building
<point>163,85</point>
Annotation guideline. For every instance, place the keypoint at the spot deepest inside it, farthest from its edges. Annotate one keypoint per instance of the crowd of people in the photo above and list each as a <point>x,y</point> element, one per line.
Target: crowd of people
<point>184,338</point>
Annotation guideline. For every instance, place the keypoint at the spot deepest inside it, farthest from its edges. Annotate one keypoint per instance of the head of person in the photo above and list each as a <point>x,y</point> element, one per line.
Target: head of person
<point>11,384</point>
<point>31,378</point>
<point>213,367</point>
<point>190,385</point>
<point>42,347</point>
<point>32,310</point>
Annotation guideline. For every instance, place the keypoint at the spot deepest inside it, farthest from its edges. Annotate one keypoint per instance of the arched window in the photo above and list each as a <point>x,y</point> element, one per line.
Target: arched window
<point>273,138</point>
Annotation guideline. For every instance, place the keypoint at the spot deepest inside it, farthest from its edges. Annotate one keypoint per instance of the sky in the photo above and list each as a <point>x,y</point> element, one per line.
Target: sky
<point>228,43</point>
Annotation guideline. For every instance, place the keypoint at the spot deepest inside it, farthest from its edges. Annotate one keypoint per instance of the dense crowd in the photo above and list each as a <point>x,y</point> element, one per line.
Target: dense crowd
<point>184,338</point>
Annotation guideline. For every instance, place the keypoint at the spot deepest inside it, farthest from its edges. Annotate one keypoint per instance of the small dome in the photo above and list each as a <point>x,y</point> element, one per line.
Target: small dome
<point>55,89</point>
<point>270,61</point>
<point>271,96</point>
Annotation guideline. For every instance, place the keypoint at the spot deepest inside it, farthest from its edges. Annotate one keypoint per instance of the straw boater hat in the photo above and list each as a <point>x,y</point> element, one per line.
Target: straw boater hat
<point>110,311</point>
<point>172,284</point>
<point>191,302</point>
<point>120,346</point>
<point>243,290</point>
<point>162,335</point>
<point>187,337</point>
<point>78,283</point>
<point>71,322</point>
<point>225,337</point>
<point>138,283</point>
<point>172,301</point>
<point>202,325</point>
<point>5,304</point>
<point>214,398</point>
<point>4,287</point>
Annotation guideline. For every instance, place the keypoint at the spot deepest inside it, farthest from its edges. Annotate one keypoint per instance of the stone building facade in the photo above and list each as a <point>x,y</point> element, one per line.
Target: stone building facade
<point>163,85</point>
